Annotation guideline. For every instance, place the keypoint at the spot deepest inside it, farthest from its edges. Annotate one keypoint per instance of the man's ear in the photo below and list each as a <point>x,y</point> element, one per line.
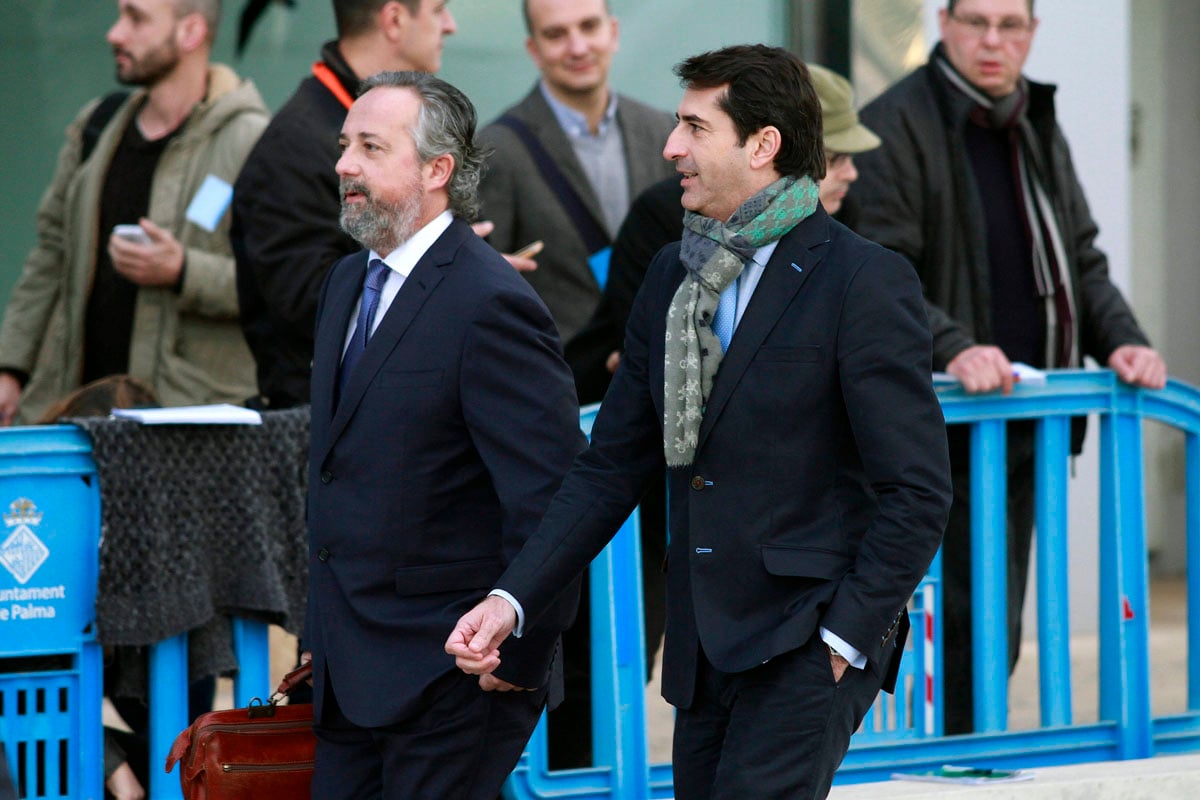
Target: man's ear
<point>437,171</point>
<point>393,19</point>
<point>766,143</point>
<point>192,32</point>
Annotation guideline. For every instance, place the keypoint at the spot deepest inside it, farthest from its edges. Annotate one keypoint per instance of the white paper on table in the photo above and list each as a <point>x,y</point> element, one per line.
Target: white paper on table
<point>218,414</point>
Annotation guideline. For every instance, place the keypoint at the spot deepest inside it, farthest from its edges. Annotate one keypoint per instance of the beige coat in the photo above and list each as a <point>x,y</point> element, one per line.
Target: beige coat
<point>187,345</point>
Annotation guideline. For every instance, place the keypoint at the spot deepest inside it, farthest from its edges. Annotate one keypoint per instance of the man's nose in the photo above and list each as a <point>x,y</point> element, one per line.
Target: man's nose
<point>449,26</point>
<point>851,170</point>
<point>673,149</point>
<point>577,43</point>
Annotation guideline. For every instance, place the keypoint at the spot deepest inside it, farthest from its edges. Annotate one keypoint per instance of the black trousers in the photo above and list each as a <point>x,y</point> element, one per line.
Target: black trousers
<point>958,665</point>
<point>460,745</point>
<point>777,731</point>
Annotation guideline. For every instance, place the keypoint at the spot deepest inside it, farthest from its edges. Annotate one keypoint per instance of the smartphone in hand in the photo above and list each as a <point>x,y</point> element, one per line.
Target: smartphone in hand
<point>530,250</point>
<point>132,233</point>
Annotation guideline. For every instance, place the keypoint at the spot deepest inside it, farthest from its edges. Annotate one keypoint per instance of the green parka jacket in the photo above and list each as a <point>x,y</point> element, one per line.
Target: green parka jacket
<point>187,344</point>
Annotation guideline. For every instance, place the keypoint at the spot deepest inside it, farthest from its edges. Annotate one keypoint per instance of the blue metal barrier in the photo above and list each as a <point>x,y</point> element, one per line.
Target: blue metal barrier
<point>902,733</point>
<point>50,679</point>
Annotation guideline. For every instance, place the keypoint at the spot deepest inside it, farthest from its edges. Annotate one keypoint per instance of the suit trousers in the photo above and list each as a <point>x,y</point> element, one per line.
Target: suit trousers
<point>959,698</point>
<point>779,730</point>
<point>460,745</point>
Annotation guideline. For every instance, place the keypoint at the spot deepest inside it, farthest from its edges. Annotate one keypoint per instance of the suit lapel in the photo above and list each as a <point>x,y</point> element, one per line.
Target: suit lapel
<point>344,288</point>
<point>536,113</point>
<point>417,288</point>
<point>793,262</point>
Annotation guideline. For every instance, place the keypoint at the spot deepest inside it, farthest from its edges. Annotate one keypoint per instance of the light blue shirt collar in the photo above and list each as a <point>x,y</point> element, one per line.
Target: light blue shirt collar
<point>573,123</point>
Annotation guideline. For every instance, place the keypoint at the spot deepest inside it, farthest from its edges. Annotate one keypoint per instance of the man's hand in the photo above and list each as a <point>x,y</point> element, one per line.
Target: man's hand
<point>10,398</point>
<point>613,361</point>
<point>158,263</point>
<point>123,784</point>
<point>983,368</point>
<point>475,641</point>
<point>1138,365</point>
<point>490,683</point>
<point>305,658</point>
<point>518,262</point>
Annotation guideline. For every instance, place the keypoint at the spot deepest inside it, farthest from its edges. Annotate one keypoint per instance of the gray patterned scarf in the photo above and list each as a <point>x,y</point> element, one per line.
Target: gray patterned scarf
<point>714,253</point>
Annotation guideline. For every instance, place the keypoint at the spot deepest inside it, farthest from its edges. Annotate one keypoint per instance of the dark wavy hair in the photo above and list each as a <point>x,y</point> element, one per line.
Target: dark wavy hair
<point>765,86</point>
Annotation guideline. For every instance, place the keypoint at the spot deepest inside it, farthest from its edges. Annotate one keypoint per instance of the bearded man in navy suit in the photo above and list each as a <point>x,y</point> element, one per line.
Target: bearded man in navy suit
<point>443,420</point>
<point>778,366</point>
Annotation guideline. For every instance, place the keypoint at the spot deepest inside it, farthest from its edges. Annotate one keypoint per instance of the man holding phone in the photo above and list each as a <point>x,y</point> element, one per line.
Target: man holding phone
<point>132,271</point>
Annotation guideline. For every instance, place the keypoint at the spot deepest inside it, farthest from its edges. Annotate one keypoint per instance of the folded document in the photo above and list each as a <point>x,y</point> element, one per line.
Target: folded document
<point>219,414</point>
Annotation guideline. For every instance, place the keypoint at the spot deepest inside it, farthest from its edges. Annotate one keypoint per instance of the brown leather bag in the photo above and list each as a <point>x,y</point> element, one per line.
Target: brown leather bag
<point>261,751</point>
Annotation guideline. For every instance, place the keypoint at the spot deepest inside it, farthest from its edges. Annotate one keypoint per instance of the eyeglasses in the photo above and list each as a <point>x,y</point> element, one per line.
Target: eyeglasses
<point>1009,29</point>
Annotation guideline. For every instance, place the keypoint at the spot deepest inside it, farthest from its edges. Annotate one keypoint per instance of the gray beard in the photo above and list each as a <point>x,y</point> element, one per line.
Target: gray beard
<point>379,225</point>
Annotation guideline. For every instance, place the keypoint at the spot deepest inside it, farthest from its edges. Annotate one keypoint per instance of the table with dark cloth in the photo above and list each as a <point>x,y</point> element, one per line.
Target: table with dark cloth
<point>199,523</point>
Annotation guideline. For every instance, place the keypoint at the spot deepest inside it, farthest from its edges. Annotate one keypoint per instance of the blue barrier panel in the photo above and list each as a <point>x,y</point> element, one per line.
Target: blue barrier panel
<point>50,664</point>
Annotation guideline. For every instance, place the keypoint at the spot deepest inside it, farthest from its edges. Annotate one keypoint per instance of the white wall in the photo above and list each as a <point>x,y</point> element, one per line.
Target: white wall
<point>1166,188</point>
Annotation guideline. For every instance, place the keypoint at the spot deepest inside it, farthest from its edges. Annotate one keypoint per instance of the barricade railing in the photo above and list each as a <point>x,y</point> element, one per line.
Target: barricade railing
<point>902,732</point>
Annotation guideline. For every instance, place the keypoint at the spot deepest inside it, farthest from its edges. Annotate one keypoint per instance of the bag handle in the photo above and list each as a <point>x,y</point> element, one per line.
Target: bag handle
<point>290,681</point>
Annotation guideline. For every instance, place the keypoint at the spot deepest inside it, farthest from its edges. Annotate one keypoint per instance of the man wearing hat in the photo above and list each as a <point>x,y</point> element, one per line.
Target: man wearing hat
<point>656,219</point>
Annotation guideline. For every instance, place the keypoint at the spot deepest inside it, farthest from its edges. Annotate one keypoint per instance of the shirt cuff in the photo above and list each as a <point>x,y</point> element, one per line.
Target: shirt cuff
<point>835,642</point>
<point>520,629</point>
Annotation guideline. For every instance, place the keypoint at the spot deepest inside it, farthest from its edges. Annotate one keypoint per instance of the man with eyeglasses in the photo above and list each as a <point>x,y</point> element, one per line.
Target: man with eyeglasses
<point>974,185</point>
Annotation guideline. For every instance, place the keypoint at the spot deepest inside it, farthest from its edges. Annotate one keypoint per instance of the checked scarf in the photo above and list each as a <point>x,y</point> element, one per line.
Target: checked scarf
<point>1049,252</point>
<point>714,254</point>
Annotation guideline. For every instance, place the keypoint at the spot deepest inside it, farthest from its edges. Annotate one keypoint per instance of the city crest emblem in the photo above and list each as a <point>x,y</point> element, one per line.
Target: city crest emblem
<point>22,551</point>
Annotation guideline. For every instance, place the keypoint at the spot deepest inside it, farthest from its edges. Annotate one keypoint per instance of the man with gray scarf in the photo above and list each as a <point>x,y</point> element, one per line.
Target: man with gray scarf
<point>974,185</point>
<point>777,367</point>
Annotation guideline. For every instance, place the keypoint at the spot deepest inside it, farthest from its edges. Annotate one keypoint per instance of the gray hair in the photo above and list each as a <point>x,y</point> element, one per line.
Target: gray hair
<point>445,126</point>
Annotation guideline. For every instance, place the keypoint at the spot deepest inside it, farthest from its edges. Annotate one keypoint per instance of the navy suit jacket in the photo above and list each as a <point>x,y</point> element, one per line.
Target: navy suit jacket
<point>820,486</point>
<point>430,472</point>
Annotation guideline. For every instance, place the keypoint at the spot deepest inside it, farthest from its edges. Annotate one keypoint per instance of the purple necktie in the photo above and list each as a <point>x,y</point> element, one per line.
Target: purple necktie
<point>377,272</point>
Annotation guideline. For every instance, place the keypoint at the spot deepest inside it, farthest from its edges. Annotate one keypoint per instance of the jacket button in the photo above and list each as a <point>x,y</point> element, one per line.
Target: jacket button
<point>326,476</point>
<point>698,483</point>
<point>322,554</point>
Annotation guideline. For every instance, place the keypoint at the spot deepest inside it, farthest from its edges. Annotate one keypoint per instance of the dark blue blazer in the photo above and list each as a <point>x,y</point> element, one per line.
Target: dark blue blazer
<point>430,472</point>
<point>820,486</point>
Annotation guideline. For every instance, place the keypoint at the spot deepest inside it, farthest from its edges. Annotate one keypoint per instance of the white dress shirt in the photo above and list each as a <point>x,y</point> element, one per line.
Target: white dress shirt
<point>401,262</point>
